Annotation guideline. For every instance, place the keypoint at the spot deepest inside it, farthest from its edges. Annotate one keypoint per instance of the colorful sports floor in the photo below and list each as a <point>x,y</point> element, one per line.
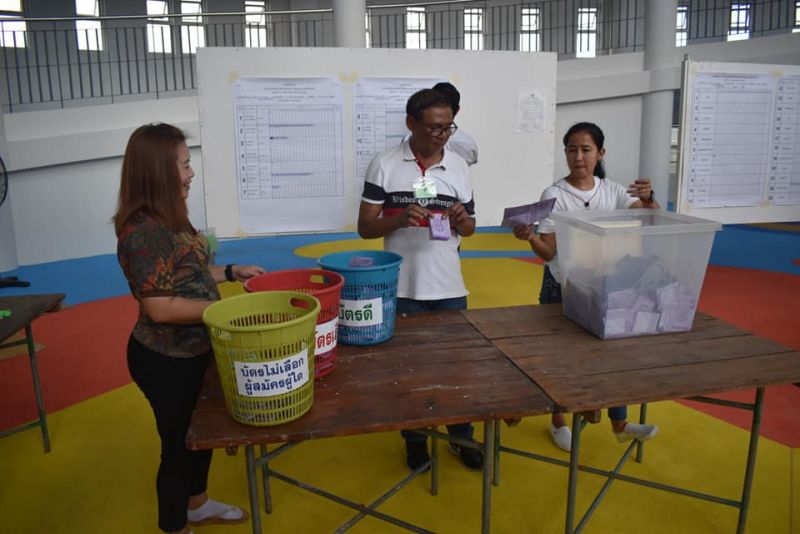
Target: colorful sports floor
<point>99,477</point>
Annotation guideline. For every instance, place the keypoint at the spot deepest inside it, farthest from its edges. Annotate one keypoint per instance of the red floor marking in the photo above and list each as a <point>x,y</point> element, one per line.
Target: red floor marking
<point>765,303</point>
<point>84,357</point>
<point>779,422</point>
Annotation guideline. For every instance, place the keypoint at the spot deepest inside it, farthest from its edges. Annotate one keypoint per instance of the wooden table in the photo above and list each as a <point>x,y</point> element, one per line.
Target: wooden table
<point>24,309</point>
<point>580,372</point>
<point>437,369</point>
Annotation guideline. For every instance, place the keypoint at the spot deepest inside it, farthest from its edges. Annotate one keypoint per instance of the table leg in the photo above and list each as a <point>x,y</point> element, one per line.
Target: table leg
<point>252,488</point>
<point>755,428</point>
<point>488,463</point>
<point>496,459</point>
<point>639,444</point>
<point>434,465</point>
<point>262,450</point>
<point>37,388</point>
<point>574,458</point>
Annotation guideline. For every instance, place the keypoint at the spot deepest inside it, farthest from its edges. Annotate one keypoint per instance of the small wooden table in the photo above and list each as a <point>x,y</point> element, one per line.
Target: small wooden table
<point>437,369</point>
<point>582,373</point>
<point>24,309</point>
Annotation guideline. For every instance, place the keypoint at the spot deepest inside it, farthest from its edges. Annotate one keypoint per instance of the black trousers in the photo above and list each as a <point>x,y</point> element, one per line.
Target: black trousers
<point>172,386</point>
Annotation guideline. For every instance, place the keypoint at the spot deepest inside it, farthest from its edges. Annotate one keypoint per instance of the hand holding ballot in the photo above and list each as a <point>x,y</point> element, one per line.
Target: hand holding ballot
<point>528,214</point>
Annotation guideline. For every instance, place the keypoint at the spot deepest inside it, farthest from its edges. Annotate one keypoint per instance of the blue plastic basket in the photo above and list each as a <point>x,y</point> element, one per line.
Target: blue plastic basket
<point>368,304</point>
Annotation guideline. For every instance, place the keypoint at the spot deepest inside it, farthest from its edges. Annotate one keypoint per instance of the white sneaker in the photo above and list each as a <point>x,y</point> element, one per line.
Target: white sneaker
<point>562,437</point>
<point>636,431</point>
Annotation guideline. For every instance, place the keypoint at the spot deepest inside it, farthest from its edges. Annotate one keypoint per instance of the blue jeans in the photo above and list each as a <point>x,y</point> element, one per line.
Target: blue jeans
<point>461,430</point>
<point>551,294</point>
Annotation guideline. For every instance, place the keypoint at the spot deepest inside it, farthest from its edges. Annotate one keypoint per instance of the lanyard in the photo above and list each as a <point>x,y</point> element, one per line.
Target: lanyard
<point>422,167</point>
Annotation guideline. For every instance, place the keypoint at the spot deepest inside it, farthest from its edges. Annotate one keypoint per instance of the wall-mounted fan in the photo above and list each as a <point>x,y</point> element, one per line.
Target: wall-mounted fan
<point>9,281</point>
<point>3,182</point>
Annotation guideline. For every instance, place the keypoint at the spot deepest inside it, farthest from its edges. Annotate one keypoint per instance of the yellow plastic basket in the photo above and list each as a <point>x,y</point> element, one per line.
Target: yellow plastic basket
<point>264,347</point>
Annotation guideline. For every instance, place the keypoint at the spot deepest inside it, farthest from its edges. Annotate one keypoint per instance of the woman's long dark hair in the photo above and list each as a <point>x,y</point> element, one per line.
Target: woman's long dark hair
<point>151,181</point>
<point>597,136</point>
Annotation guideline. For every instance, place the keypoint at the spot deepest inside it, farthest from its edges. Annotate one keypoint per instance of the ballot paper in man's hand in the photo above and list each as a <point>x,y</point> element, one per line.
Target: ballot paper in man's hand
<point>527,214</point>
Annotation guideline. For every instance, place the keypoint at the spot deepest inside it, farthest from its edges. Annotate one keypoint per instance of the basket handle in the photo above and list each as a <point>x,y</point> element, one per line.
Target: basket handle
<point>321,278</point>
<point>318,279</point>
<point>299,303</point>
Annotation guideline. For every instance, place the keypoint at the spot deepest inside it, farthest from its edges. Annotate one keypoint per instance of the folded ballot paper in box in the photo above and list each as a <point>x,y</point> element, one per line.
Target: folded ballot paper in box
<point>527,214</point>
<point>632,272</point>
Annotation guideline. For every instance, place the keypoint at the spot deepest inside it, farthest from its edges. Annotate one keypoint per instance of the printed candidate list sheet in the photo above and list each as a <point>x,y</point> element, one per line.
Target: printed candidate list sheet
<point>289,154</point>
<point>730,148</point>
<point>380,116</point>
<point>784,174</point>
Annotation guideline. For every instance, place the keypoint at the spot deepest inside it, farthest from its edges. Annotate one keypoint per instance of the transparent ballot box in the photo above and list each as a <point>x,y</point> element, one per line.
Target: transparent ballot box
<point>629,273</point>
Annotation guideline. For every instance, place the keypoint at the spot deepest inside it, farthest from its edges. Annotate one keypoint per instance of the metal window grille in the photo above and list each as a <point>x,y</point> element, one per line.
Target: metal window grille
<point>140,56</point>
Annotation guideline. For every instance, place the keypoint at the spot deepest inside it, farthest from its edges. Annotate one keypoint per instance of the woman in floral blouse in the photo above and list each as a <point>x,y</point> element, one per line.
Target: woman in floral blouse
<point>166,263</point>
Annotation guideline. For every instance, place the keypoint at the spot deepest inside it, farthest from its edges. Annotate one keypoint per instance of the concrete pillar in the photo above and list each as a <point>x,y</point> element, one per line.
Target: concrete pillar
<point>659,53</point>
<point>8,243</point>
<point>348,23</point>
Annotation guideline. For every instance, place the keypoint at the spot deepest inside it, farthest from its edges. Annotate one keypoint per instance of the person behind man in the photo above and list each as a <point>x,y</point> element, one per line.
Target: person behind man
<point>460,142</point>
<point>405,187</point>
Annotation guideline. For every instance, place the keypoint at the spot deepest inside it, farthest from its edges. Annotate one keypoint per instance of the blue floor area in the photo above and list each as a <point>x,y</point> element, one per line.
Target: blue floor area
<point>751,247</point>
<point>99,277</point>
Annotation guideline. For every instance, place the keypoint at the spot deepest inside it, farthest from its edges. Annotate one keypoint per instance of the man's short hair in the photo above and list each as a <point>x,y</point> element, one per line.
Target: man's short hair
<point>424,99</point>
<point>450,94</point>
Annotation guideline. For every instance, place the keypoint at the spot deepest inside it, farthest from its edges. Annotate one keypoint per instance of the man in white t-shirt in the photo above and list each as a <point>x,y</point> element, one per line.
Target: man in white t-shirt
<point>407,189</point>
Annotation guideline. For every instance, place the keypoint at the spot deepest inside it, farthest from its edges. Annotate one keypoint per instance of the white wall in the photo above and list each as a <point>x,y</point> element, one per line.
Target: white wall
<point>65,171</point>
<point>620,120</point>
<point>65,211</point>
<point>65,163</point>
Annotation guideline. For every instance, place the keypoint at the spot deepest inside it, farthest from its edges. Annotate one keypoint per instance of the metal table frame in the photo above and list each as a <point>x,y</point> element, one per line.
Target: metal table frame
<point>37,388</point>
<point>25,309</point>
<point>255,463</point>
<point>578,423</point>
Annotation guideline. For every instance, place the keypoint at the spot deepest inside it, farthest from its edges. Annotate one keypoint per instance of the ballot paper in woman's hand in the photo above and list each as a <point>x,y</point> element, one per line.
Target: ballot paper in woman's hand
<point>527,214</point>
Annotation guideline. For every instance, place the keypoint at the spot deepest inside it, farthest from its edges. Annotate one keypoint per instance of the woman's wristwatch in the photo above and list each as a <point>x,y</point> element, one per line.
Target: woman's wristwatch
<point>229,273</point>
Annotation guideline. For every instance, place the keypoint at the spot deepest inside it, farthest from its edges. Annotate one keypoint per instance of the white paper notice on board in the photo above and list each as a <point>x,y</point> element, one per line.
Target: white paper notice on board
<point>530,112</point>
<point>289,154</point>
<point>379,106</point>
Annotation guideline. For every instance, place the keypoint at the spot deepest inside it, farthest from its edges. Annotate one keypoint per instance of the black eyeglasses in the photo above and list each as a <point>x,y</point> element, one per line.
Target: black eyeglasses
<point>436,132</point>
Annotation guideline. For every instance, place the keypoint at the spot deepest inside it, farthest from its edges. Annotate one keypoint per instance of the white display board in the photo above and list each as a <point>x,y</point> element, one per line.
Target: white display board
<point>286,132</point>
<point>740,142</point>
